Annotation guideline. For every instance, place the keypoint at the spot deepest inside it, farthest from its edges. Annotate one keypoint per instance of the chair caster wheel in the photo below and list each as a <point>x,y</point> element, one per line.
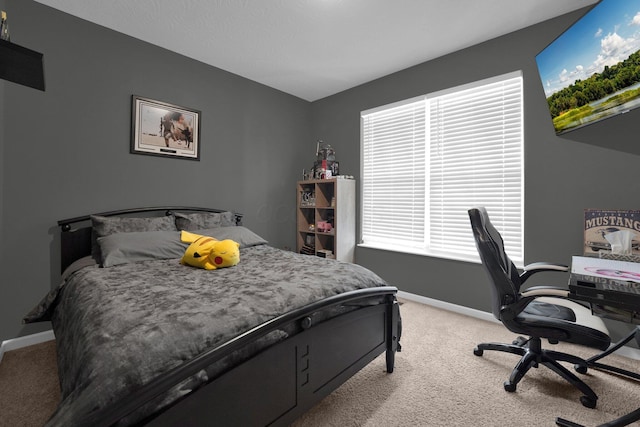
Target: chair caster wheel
<point>477,351</point>
<point>512,387</point>
<point>588,402</point>
<point>580,368</point>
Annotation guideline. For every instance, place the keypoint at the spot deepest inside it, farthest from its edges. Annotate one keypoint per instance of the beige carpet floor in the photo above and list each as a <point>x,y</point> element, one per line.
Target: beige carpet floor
<point>437,382</point>
<point>29,390</point>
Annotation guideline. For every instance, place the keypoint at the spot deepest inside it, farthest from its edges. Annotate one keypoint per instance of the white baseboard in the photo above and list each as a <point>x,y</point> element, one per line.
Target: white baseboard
<point>27,340</point>
<point>626,351</point>
<point>460,309</point>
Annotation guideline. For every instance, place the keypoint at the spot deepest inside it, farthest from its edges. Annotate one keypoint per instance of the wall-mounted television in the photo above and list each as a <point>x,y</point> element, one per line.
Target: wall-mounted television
<point>591,71</point>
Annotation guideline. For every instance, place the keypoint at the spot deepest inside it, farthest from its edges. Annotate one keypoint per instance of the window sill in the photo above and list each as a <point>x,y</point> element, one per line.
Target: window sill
<point>433,254</point>
<point>475,259</point>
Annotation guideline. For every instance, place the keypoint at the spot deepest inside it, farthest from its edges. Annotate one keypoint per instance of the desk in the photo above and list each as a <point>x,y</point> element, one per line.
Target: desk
<point>611,299</point>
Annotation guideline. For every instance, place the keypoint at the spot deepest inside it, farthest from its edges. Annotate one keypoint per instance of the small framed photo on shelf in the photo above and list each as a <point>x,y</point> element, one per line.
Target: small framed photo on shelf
<point>162,129</point>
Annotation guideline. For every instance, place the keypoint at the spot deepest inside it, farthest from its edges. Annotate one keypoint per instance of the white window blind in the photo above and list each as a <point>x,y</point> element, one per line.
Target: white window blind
<point>426,161</point>
<point>393,165</point>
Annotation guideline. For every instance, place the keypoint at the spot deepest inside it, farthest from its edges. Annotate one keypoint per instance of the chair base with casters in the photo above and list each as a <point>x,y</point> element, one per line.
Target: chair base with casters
<point>532,356</point>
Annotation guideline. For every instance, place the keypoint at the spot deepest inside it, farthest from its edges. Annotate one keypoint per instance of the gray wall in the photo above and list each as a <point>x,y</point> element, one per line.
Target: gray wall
<point>65,151</point>
<point>562,176</point>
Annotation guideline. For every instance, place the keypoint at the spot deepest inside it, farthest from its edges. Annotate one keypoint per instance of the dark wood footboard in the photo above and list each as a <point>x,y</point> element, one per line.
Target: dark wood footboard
<point>284,381</point>
<point>287,380</point>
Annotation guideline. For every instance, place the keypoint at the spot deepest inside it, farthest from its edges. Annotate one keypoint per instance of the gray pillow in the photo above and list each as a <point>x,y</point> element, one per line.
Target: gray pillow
<point>240,234</point>
<point>122,248</point>
<point>104,226</point>
<point>204,220</point>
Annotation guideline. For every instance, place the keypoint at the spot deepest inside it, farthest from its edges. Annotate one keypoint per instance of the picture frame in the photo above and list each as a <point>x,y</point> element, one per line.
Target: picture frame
<point>162,129</point>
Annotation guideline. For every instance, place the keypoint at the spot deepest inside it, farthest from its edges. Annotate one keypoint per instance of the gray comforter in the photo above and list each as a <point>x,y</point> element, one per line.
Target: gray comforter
<point>119,327</point>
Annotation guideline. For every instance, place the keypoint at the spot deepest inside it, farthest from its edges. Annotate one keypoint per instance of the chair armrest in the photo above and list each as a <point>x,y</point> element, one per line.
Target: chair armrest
<point>545,291</point>
<point>537,267</point>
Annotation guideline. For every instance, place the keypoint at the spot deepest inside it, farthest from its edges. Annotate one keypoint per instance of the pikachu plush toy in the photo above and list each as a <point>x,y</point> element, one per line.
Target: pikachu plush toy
<point>209,253</point>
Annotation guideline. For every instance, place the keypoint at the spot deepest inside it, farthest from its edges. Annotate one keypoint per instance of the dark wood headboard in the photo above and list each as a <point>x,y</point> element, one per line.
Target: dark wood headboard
<point>76,236</point>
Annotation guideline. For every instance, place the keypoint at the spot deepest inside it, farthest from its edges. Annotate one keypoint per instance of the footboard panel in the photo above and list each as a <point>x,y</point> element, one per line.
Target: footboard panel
<point>284,381</point>
<point>336,348</point>
<point>255,393</point>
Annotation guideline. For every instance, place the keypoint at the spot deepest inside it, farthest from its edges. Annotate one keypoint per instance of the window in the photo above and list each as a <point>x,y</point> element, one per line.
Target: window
<point>427,160</point>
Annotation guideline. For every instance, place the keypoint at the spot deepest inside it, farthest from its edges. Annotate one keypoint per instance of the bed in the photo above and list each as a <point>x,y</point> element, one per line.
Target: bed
<point>144,340</point>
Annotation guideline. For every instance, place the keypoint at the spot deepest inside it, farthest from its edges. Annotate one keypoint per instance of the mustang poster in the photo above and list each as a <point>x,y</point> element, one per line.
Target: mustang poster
<point>600,223</point>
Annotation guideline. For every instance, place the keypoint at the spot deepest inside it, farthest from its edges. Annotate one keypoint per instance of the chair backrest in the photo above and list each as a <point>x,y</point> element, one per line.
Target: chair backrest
<point>503,274</point>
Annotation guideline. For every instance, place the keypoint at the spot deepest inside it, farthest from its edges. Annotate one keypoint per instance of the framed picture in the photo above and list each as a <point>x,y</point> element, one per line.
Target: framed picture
<point>162,129</point>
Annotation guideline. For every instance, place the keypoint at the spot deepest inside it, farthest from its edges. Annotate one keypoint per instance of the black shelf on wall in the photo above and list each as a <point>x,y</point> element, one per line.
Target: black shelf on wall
<point>21,65</point>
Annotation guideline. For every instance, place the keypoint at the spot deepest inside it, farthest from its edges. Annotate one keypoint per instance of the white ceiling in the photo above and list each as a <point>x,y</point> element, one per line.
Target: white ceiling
<point>315,48</point>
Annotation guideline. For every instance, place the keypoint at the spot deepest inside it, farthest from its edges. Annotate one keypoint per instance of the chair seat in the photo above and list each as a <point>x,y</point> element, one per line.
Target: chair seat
<point>550,310</point>
<point>581,326</point>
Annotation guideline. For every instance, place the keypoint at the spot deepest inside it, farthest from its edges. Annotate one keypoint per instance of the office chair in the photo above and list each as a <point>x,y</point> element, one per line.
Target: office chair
<point>538,312</point>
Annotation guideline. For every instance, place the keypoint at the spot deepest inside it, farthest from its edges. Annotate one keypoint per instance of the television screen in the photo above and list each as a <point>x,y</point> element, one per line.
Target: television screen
<point>592,71</point>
